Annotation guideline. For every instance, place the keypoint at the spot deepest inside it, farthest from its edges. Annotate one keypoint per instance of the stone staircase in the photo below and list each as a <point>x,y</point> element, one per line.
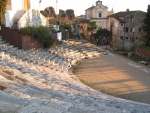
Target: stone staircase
<point>38,81</point>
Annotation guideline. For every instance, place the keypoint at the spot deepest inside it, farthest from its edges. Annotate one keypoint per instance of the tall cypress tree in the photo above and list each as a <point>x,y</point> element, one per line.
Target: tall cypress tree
<point>147,26</point>
<point>3,4</point>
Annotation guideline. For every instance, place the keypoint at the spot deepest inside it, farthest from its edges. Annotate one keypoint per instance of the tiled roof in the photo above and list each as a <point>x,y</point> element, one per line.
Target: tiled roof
<point>121,14</point>
<point>90,8</point>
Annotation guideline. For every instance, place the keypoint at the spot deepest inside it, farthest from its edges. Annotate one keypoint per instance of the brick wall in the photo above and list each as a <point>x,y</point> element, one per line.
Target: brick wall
<point>11,36</point>
<point>29,42</point>
<point>22,42</point>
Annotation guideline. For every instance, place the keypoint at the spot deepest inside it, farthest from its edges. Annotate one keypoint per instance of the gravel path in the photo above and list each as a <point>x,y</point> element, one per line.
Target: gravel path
<point>117,76</point>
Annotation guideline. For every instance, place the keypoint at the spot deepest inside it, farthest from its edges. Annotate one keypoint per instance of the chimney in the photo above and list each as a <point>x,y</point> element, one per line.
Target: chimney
<point>127,10</point>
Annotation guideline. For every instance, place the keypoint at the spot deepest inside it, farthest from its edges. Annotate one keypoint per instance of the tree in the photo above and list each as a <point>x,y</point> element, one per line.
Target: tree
<point>101,36</point>
<point>70,14</point>
<point>147,26</point>
<point>91,27</point>
<point>49,12</point>
<point>3,4</point>
<point>62,14</point>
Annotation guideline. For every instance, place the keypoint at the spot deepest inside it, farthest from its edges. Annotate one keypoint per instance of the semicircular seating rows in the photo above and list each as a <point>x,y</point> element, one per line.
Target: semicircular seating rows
<point>38,80</point>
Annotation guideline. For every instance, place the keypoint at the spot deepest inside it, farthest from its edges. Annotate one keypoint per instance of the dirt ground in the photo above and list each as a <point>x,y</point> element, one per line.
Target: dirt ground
<point>115,75</point>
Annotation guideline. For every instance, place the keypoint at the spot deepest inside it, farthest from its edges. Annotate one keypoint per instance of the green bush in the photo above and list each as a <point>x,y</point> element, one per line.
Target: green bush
<point>42,33</point>
<point>48,41</point>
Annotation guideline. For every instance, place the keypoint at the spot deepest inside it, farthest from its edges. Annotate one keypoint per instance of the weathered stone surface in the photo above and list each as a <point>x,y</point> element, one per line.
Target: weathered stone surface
<point>50,88</point>
<point>8,107</point>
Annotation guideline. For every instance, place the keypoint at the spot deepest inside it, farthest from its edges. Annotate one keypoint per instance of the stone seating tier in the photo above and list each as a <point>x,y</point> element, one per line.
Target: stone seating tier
<point>32,87</point>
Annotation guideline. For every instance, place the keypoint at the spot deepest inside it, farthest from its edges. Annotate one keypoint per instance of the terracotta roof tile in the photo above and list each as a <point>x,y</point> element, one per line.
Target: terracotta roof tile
<point>121,14</point>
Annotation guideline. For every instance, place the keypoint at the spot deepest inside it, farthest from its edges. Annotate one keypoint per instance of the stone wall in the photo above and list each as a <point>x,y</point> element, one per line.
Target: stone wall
<point>32,18</point>
<point>134,23</point>
<point>143,53</point>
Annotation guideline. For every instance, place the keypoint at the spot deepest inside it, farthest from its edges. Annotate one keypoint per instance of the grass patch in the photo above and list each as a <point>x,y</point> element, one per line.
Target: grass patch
<point>137,58</point>
<point>144,47</point>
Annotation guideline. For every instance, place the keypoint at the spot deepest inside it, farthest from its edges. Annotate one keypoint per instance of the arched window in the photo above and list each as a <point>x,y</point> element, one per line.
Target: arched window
<point>100,15</point>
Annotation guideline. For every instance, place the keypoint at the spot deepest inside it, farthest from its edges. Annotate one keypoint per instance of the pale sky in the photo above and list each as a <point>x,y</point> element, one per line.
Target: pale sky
<point>79,6</point>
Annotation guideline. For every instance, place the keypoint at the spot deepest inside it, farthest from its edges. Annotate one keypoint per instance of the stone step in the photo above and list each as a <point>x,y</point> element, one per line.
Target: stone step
<point>73,62</point>
<point>8,107</point>
<point>51,57</point>
<point>9,98</point>
<point>36,106</point>
<point>31,58</point>
<point>2,42</point>
<point>12,49</point>
<point>39,56</point>
<point>2,53</point>
<point>44,57</point>
<point>54,60</point>
<point>6,46</point>
<point>66,65</point>
<point>47,63</point>
<point>59,61</point>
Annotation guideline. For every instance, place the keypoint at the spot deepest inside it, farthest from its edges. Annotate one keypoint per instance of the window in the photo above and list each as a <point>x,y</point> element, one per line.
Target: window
<point>132,39</point>
<point>127,29</point>
<point>130,29</point>
<point>100,14</point>
<point>126,38</point>
<point>131,19</point>
<point>121,37</point>
<point>121,24</point>
<point>140,29</point>
<point>136,38</point>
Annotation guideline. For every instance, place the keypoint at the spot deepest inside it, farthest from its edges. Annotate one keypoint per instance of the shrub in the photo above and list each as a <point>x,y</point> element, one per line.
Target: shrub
<point>25,31</point>
<point>42,33</point>
<point>144,47</point>
<point>48,41</point>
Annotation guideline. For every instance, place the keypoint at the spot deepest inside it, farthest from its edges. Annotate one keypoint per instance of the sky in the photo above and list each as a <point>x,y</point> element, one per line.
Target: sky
<point>79,6</point>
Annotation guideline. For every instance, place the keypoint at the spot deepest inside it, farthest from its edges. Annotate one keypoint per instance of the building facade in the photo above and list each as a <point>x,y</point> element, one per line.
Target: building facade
<point>15,10</point>
<point>126,28</point>
<point>97,13</point>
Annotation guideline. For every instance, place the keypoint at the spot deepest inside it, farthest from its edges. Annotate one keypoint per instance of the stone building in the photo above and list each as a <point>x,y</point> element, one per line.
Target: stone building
<point>111,12</point>
<point>97,13</point>
<point>20,9</point>
<point>126,28</point>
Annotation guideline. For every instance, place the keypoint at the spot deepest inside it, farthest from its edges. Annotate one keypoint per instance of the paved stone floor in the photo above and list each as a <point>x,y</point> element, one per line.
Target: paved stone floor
<point>117,76</point>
